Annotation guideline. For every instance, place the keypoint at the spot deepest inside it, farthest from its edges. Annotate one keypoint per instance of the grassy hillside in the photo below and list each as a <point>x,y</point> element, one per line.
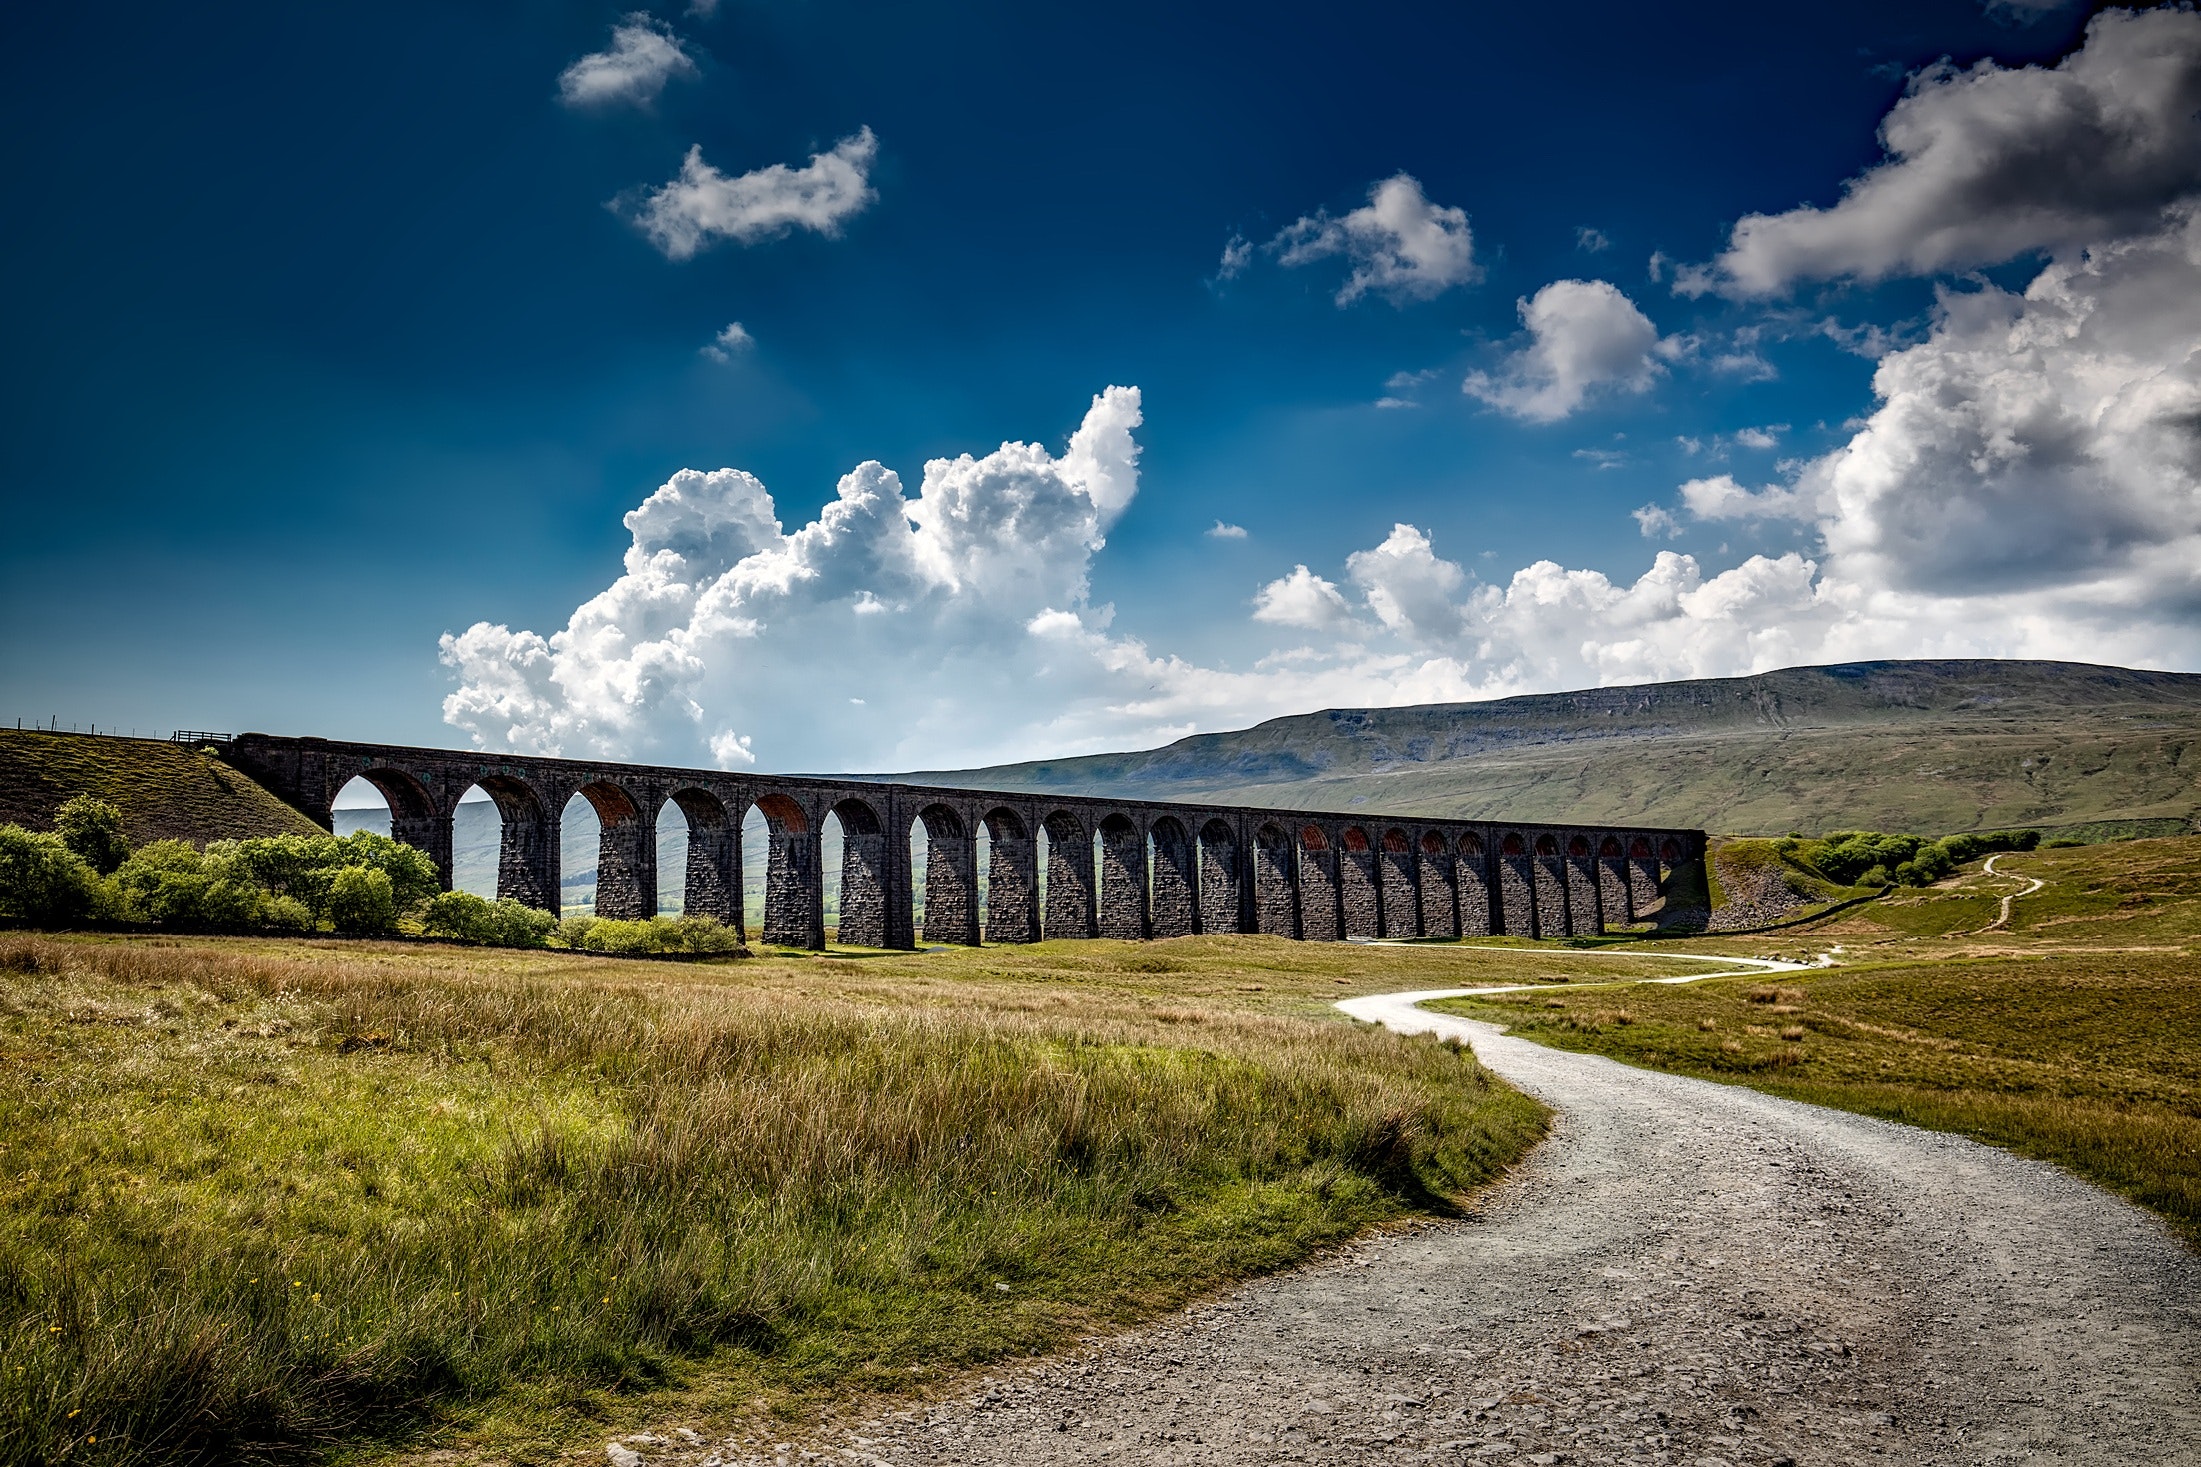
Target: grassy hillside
<point>164,790</point>
<point>1934,746</point>
<point>2072,1032</point>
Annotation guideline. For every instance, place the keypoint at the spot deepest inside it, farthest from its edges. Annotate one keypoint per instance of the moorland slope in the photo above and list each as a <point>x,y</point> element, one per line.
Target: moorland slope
<point>1934,746</point>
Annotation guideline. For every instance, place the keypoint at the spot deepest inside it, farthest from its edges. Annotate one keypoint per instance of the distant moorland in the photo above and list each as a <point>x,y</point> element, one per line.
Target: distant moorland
<point>1928,746</point>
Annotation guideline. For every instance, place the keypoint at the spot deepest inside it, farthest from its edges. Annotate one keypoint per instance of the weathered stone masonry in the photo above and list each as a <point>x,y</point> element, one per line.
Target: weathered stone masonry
<point>1126,869</point>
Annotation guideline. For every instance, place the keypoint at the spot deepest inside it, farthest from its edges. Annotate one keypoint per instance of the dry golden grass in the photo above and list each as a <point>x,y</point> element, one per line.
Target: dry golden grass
<point>268,1198</point>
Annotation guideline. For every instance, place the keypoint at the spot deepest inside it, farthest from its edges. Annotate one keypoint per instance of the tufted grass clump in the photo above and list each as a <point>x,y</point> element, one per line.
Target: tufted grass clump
<point>280,1199</point>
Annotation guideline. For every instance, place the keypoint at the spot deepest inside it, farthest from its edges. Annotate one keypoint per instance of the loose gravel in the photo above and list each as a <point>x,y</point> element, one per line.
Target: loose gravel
<point>1684,1273</point>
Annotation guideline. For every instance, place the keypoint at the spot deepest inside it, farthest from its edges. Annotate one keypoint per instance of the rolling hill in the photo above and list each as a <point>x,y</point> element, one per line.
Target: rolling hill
<point>1933,746</point>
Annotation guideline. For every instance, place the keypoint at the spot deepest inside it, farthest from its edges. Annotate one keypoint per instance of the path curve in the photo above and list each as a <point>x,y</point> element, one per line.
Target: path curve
<point>2004,920</point>
<point>1685,1273</point>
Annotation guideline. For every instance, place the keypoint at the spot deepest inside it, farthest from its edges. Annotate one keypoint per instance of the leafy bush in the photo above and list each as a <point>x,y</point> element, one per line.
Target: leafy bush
<point>172,883</point>
<point>305,867</point>
<point>44,882</point>
<point>656,935</point>
<point>469,918</point>
<point>93,829</point>
<point>360,900</point>
<point>1877,858</point>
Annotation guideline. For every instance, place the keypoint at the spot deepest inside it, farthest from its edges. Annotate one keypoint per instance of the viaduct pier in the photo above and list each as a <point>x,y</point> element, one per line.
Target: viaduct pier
<point>1114,868</point>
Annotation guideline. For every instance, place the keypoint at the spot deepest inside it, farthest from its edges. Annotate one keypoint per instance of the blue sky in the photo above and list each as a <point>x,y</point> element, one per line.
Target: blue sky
<point>337,333</point>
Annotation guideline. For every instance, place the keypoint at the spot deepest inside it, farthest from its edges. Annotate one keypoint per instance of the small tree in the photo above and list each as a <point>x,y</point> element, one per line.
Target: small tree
<point>360,901</point>
<point>43,882</point>
<point>93,829</point>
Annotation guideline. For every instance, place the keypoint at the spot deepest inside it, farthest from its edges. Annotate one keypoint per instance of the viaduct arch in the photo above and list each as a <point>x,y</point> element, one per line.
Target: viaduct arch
<point>1115,868</point>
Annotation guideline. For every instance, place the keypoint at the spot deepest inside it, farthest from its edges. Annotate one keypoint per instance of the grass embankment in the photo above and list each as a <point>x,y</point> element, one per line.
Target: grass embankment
<point>266,1198</point>
<point>2074,1035</point>
<point>165,791</point>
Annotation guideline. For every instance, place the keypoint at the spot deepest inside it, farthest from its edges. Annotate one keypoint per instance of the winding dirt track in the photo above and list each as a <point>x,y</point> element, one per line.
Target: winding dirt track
<point>1684,1273</point>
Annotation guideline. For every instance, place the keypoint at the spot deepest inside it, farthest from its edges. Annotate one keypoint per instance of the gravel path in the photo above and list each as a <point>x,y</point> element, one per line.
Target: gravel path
<point>1684,1273</point>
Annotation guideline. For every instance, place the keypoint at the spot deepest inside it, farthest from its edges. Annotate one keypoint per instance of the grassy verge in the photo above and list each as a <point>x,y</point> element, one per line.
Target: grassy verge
<point>2072,1035</point>
<point>286,1198</point>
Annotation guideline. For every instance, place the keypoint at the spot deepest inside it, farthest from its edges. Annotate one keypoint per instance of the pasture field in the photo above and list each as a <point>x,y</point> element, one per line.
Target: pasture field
<point>2073,1034</point>
<point>266,1198</point>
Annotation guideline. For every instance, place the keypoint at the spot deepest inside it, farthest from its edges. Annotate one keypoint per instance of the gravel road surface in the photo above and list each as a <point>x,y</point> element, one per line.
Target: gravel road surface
<point>1684,1273</point>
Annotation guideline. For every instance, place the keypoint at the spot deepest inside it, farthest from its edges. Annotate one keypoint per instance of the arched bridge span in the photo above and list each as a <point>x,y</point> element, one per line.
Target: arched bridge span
<point>1115,868</point>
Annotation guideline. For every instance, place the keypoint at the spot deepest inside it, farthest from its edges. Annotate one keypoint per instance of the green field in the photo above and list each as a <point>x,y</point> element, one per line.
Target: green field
<point>2073,1035</point>
<point>266,1198</point>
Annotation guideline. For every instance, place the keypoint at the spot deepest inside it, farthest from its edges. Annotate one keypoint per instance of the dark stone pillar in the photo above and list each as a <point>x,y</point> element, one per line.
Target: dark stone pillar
<point>1123,911</point>
<point>626,865</point>
<point>1584,917</point>
<point>1069,880</point>
<point>712,877</point>
<point>1612,890</point>
<point>1440,902</point>
<point>1471,873</point>
<point>1516,895</point>
<point>864,877</point>
<point>794,890</point>
<point>1643,883</point>
<point>1012,884</point>
<point>1222,901</point>
<point>951,882</point>
<point>527,858</point>
<point>1359,887</point>
<point>1401,909</point>
<point>1318,909</point>
<point>1171,913</point>
<point>1551,895</point>
<point>1275,892</point>
<point>428,831</point>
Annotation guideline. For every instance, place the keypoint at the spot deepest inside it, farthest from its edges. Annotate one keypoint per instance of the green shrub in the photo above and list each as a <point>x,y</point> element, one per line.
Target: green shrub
<point>573,931</point>
<point>361,900</point>
<point>608,935</point>
<point>93,829</point>
<point>172,883</point>
<point>1874,858</point>
<point>655,935</point>
<point>469,918</point>
<point>43,882</point>
<point>306,866</point>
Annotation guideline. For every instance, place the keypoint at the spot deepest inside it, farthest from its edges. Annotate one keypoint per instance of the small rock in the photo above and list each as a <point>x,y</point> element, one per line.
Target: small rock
<point>692,1438</point>
<point>622,1456</point>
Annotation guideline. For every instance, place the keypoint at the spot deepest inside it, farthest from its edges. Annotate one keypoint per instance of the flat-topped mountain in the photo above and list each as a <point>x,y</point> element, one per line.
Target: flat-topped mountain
<point>1925,745</point>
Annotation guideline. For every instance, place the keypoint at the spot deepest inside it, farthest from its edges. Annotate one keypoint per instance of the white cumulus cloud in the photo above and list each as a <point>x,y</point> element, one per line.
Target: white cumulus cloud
<point>1399,244</point>
<point>644,55</point>
<point>1223,530</point>
<point>735,338</point>
<point>1584,337</point>
<point>1991,163</point>
<point>1301,599</point>
<point>724,629</point>
<point>703,205</point>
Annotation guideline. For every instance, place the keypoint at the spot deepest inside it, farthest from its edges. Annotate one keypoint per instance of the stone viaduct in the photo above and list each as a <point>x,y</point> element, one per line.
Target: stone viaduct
<point>1115,868</point>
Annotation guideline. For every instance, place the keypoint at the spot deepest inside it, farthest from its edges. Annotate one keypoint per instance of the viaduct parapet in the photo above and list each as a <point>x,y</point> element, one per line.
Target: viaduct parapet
<point>1115,868</point>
